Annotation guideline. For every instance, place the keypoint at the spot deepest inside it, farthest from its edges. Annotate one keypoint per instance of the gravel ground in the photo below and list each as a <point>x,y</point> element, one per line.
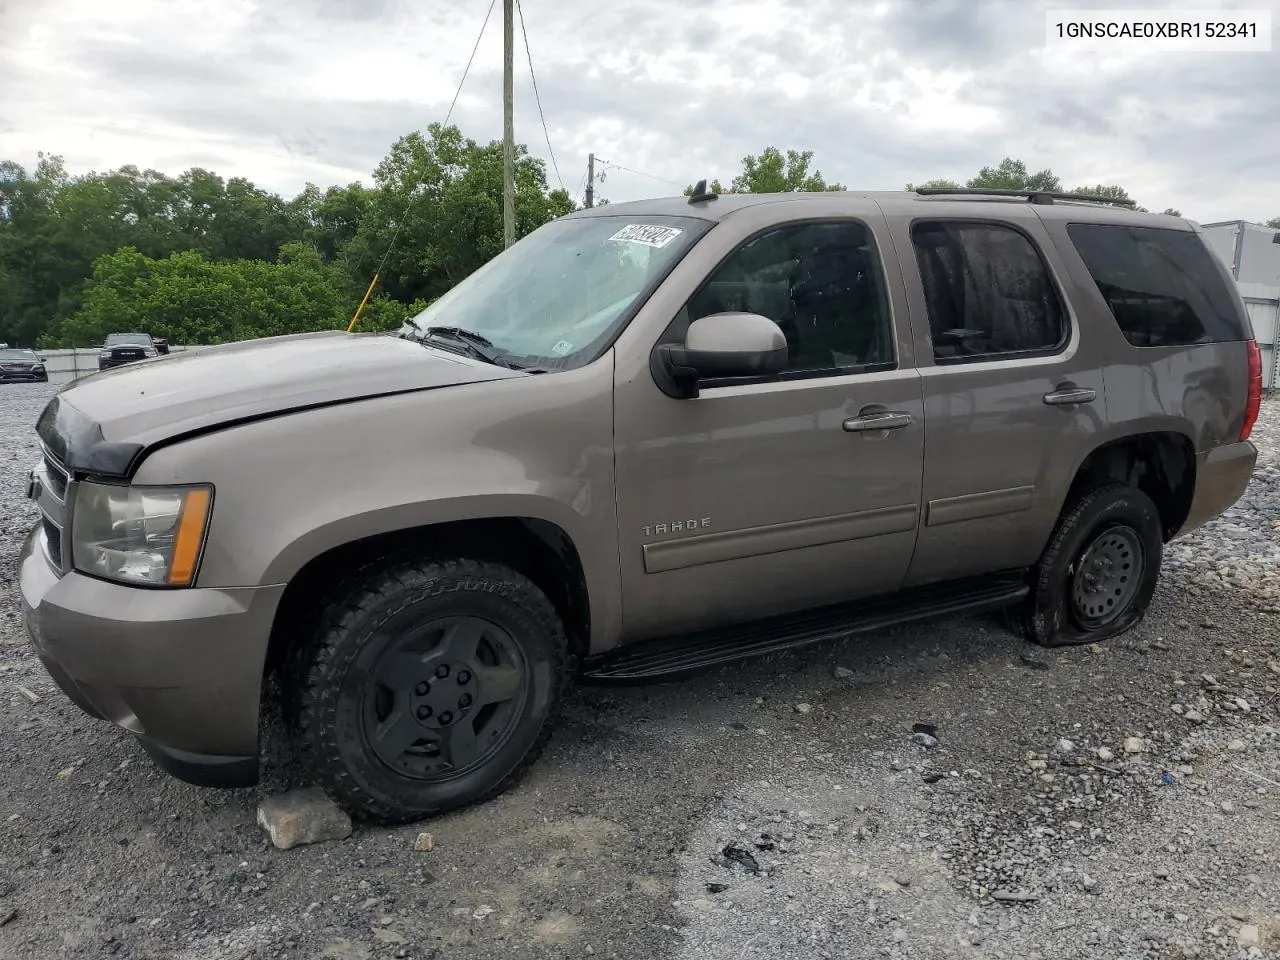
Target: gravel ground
<point>788,808</point>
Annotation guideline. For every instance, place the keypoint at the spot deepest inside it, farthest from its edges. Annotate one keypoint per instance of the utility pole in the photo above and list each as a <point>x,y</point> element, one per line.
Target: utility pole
<point>591,178</point>
<point>508,127</point>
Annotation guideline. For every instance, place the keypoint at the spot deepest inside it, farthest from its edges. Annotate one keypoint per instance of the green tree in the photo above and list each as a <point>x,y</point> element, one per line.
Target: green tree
<point>1274,222</point>
<point>772,171</point>
<point>440,198</point>
<point>193,300</point>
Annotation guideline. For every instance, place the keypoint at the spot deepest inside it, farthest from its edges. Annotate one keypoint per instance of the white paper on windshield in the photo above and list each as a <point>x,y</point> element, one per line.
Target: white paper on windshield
<point>561,348</point>
<point>651,235</point>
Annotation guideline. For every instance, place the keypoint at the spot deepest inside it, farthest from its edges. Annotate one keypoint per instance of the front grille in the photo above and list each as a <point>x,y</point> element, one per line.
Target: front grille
<point>52,541</point>
<point>58,476</point>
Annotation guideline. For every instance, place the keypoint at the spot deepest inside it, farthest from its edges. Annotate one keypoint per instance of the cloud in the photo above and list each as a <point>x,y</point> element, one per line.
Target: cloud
<point>664,93</point>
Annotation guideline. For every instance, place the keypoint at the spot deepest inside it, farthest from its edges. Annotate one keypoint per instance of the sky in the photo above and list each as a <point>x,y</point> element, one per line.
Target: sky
<point>664,93</point>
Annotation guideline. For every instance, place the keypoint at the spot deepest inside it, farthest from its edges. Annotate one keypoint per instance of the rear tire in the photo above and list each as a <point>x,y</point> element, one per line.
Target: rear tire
<point>1096,577</point>
<point>429,685</point>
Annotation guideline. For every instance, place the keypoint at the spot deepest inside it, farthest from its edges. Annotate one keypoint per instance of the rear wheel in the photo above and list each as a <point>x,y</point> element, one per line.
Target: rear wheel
<point>1096,577</point>
<point>429,686</point>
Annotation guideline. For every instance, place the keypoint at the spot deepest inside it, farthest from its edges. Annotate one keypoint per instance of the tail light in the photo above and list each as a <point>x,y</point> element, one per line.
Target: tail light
<point>1253,401</point>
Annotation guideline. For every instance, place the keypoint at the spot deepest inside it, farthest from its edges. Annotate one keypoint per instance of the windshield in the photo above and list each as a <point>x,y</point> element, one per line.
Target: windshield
<point>17,355</point>
<point>142,338</point>
<point>553,298</point>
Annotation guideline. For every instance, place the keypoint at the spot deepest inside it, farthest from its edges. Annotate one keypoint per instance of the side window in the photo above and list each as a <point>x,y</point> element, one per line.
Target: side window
<point>987,291</point>
<point>821,283</point>
<point>1162,286</point>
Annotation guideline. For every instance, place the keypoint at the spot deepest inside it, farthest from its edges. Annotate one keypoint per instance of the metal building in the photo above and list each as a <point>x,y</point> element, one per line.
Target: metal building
<point>1251,252</point>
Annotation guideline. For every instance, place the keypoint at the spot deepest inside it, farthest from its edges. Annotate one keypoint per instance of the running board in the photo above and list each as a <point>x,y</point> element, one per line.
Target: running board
<point>669,657</point>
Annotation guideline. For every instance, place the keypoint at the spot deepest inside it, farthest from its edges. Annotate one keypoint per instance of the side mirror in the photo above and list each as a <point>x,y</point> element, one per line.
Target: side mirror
<point>717,346</point>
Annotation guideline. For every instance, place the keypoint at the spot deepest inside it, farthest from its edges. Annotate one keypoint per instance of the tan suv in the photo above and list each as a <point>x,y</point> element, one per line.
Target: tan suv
<point>648,438</point>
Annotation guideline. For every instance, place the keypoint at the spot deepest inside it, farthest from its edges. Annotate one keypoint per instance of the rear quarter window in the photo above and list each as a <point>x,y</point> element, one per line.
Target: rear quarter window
<point>1163,286</point>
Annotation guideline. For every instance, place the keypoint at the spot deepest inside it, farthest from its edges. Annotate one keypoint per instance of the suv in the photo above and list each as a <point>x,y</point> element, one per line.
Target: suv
<point>121,348</point>
<point>647,438</point>
<point>22,366</point>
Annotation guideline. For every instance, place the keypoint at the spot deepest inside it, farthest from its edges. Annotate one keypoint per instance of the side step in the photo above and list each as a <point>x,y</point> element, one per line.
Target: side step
<point>669,657</point>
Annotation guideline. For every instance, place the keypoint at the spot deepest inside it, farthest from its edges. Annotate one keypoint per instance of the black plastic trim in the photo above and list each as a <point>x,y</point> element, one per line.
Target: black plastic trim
<point>670,657</point>
<point>203,769</point>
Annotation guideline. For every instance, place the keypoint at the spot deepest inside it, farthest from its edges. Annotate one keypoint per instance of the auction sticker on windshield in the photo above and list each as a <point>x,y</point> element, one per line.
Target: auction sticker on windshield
<point>651,235</point>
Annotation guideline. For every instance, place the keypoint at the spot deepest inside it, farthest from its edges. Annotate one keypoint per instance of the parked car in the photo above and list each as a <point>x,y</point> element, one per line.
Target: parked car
<point>122,348</point>
<point>21,366</point>
<point>647,438</point>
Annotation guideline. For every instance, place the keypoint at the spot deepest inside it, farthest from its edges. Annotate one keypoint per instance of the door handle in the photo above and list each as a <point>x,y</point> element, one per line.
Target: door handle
<point>1066,396</point>
<point>889,420</point>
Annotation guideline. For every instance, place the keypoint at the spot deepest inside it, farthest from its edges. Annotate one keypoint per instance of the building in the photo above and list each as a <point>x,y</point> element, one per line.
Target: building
<point>1252,254</point>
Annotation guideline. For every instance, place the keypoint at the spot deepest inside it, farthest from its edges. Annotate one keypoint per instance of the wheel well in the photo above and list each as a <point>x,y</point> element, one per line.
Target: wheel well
<point>540,550</point>
<point>1161,465</point>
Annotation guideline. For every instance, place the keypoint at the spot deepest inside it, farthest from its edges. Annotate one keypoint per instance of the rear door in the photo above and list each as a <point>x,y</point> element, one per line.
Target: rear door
<point>767,496</point>
<point>1013,393</point>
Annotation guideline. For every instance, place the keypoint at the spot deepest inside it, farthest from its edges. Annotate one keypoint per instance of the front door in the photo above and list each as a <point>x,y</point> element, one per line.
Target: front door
<point>1013,395</point>
<point>781,493</point>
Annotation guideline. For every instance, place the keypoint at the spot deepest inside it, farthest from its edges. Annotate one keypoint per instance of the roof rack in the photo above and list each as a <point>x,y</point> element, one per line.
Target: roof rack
<point>1035,196</point>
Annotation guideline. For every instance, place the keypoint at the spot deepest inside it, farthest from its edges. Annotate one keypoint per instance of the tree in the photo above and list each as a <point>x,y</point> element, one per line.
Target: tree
<point>774,172</point>
<point>440,198</point>
<point>191,299</point>
<point>1011,174</point>
<point>1274,222</point>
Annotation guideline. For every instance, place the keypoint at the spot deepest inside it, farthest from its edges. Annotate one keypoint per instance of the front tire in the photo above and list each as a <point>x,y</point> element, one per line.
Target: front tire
<point>1096,577</point>
<point>428,686</point>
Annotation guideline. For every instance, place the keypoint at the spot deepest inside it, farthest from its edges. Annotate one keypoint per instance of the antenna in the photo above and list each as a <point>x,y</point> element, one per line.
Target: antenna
<point>700,193</point>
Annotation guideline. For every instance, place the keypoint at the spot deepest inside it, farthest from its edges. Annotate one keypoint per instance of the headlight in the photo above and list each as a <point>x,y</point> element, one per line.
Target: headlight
<point>148,535</point>
<point>104,354</point>
<point>148,352</point>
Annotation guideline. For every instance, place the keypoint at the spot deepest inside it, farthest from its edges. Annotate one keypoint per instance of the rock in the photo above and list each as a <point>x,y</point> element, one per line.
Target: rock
<point>1095,648</point>
<point>1037,763</point>
<point>1176,708</point>
<point>1088,882</point>
<point>1064,747</point>
<point>843,673</point>
<point>1243,704</point>
<point>925,740</point>
<point>302,816</point>
<point>1248,936</point>
<point>1236,746</point>
<point>803,707</point>
<point>482,911</point>
<point>425,843</point>
<point>1227,806</point>
<point>1193,716</point>
<point>66,774</point>
<point>8,916</point>
<point>1134,745</point>
<point>1105,754</point>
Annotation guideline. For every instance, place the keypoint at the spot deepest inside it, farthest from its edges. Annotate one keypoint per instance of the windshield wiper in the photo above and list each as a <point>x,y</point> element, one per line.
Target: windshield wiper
<point>475,344</point>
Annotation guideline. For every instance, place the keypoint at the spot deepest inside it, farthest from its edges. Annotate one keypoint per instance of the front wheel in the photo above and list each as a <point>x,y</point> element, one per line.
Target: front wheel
<point>429,686</point>
<point>1096,577</point>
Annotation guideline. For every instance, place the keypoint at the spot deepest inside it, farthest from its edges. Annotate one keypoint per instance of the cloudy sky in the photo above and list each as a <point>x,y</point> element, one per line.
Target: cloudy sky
<point>286,91</point>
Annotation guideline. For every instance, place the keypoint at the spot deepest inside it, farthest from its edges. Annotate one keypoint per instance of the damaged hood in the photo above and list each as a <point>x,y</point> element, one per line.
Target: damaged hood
<point>104,422</point>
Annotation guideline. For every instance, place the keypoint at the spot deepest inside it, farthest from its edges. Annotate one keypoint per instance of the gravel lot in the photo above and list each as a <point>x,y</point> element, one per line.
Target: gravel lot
<point>862,841</point>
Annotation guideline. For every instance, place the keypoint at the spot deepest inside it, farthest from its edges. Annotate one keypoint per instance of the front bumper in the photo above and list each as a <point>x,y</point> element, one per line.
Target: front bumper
<point>181,669</point>
<point>24,376</point>
<point>1222,475</point>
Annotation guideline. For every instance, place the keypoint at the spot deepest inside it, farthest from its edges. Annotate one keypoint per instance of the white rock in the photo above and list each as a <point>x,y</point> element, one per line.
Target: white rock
<point>1064,746</point>
<point>1236,746</point>
<point>843,673</point>
<point>1248,936</point>
<point>1105,754</point>
<point>302,816</point>
<point>1134,745</point>
<point>803,707</point>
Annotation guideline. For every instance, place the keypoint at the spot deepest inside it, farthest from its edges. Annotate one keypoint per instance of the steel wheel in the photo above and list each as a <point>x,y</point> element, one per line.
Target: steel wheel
<point>1107,577</point>
<point>445,698</point>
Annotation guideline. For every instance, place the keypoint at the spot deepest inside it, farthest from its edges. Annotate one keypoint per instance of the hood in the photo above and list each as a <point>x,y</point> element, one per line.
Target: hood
<point>103,423</point>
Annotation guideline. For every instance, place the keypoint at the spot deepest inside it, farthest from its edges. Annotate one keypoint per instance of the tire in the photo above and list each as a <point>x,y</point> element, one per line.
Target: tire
<point>1119,527</point>
<point>428,685</point>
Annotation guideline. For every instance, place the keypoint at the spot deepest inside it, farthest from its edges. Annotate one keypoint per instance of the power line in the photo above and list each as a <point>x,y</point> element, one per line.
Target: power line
<point>414,193</point>
<point>538,99</point>
<point>618,166</point>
